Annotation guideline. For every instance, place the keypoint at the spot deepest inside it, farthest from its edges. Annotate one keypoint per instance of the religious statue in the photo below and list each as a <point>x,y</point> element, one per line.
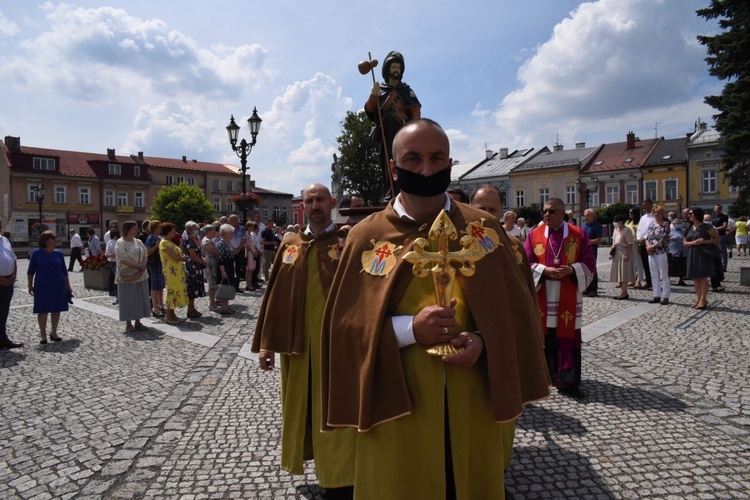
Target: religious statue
<point>391,105</point>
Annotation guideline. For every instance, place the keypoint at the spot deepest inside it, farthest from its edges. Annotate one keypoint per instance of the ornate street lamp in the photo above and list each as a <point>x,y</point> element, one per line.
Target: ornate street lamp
<point>39,193</point>
<point>244,148</point>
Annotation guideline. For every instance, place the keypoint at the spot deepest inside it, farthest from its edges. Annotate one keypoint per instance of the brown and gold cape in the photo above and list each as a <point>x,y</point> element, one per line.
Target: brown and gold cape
<point>362,380</point>
<point>281,320</point>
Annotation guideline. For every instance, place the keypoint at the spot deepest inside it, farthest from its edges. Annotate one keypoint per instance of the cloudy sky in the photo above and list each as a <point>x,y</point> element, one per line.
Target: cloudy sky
<point>163,77</point>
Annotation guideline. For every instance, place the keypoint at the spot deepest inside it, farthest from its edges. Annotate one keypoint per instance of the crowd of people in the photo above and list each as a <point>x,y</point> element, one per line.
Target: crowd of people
<point>356,325</point>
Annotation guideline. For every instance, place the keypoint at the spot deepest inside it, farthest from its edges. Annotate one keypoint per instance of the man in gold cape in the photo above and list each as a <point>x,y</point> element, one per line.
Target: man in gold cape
<point>430,426</point>
<point>289,323</point>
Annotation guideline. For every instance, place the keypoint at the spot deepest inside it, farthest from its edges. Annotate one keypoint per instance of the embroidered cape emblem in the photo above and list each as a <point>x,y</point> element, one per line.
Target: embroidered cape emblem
<point>478,237</point>
<point>571,250</point>
<point>517,254</point>
<point>291,252</point>
<point>538,249</point>
<point>380,260</point>
<point>334,251</point>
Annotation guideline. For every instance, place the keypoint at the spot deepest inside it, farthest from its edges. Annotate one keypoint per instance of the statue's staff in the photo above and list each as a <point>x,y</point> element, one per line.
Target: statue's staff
<point>365,67</point>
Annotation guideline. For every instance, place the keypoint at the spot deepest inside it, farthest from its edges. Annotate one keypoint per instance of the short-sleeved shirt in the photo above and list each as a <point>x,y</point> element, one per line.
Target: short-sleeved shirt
<point>7,257</point>
<point>267,235</point>
<point>593,231</point>
<point>720,220</point>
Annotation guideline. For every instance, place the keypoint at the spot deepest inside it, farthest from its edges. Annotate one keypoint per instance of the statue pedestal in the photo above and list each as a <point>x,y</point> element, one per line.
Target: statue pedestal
<point>350,216</point>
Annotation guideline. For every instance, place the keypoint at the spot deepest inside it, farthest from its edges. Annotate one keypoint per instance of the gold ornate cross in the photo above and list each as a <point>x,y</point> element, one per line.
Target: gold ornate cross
<point>440,265</point>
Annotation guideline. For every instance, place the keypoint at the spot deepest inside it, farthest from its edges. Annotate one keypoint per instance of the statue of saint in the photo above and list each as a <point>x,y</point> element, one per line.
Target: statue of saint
<point>398,105</point>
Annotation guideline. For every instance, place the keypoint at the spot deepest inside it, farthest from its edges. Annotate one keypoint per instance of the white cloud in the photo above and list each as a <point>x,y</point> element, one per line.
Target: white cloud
<point>7,27</point>
<point>99,52</point>
<point>609,62</point>
<point>173,129</point>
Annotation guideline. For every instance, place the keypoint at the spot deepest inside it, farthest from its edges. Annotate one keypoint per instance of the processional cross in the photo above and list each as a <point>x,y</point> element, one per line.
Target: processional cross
<point>440,265</point>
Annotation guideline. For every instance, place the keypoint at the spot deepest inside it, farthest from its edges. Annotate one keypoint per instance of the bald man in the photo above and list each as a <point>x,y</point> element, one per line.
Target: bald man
<point>289,323</point>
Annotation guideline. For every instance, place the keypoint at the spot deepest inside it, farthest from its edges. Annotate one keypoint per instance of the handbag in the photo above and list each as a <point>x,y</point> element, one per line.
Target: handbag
<point>130,275</point>
<point>225,291</point>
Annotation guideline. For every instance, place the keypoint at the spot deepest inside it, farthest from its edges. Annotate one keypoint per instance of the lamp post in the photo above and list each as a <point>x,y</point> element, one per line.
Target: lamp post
<point>244,148</point>
<point>39,193</point>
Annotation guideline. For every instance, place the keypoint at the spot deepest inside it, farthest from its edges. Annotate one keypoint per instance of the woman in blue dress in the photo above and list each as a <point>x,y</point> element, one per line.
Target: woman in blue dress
<point>51,287</point>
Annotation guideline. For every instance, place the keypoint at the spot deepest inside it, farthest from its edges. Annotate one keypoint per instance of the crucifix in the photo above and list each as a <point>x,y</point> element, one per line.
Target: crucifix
<point>440,266</point>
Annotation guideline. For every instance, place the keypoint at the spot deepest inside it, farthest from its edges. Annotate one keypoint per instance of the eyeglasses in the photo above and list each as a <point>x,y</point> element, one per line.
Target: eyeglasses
<point>551,211</point>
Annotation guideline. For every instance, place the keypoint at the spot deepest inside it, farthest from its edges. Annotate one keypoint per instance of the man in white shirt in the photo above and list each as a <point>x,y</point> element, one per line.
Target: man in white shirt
<point>95,247</point>
<point>644,225</point>
<point>8,271</point>
<point>76,247</point>
<point>112,225</point>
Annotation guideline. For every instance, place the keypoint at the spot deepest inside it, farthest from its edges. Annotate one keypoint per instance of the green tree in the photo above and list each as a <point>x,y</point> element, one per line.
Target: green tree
<point>728,60</point>
<point>180,203</point>
<point>360,171</point>
<point>531,215</point>
<point>607,214</point>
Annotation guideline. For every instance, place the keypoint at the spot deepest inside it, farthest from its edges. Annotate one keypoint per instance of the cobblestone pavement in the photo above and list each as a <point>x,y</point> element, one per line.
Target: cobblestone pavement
<point>181,412</point>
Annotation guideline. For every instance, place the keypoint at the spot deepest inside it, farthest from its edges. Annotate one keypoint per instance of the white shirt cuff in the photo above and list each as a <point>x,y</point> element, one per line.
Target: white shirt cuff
<point>403,327</point>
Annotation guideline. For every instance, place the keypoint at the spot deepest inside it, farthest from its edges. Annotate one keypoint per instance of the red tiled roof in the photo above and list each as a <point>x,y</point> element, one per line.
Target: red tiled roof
<point>78,164</point>
<point>615,156</point>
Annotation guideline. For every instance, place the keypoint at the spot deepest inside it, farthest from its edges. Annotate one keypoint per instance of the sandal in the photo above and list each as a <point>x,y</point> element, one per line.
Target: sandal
<point>225,312</point>
<point>718,289</point>
<point>140,326</point>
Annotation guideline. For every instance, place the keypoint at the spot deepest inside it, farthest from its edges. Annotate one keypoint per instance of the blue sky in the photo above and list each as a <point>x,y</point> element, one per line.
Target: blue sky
<point>164,77</point>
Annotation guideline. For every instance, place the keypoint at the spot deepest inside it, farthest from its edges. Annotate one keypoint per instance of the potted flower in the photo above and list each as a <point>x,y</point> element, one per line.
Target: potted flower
<point>245,201</point>
<point>96,272</point>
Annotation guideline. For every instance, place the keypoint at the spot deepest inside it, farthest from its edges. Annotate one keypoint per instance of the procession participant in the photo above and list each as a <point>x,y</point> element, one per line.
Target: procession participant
<point>453,415</point>
<point>398,105</point>
<point>301,278</point>
<point>594,231</point>
<point>563,264</point>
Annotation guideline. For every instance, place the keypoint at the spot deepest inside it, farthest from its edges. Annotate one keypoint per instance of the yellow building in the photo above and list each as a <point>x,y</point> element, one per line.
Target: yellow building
<point>707,184</point>
<point>665,174</point>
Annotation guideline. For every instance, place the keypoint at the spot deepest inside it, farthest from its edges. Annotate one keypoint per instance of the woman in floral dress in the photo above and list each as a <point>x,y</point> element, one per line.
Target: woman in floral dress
<point>172,260</point>
<point>195,263</point>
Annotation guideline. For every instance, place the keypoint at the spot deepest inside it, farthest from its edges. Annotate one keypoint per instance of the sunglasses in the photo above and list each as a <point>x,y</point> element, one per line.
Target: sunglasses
<point>551,211</point>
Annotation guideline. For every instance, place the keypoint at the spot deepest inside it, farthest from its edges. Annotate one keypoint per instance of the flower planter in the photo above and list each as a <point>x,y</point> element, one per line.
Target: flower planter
<point>96,279</point>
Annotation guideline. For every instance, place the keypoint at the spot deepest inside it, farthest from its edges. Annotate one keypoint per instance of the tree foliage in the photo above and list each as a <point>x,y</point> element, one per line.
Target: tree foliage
<point>531,215</point>
<point>180,203</point>
<point>728,60</point>
<point>360,170</point>
<point>606,215</point>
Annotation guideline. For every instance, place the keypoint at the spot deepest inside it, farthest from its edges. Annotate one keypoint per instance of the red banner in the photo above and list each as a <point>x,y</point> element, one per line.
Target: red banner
<point>84,219</point>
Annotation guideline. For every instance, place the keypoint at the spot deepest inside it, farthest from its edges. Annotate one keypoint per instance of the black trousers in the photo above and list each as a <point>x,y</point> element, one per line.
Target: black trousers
<point>240,265</point>
<point>256,271</point>
<point>644,260</point>
<point>6,295</point>
<point>75,255</point>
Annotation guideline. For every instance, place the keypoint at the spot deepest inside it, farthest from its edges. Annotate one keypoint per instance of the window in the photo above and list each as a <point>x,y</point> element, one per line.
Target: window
<point>628,160</point>
<point>295,217</point>
<point>109,198</point>
<point>136,171</point>
<point>115,169</point>
<point>180,180</point>
<point>666,157</point>
<point>168,180</point>
<point>543,196</point>
<point>138,199</point>
<point>122,198</point>
<point>651,189</point>
<point>708,181</point>
<point>44,164</point>
<point>670,189</point>
<point>265,212</point>
<point>217,185</point>
<point>31,193</point>
<point>520,198</point>
<point>84,195</point>
<point>595,198</point>
<point>230,206</point>
<point>284,213</point>
<point>60,194</point>
<point>631,194</point>
<point>599,162</point>
<point>191,181</point>
<point>276,213</point>
<point>570,195</point>
<point>612,195</point>
<point>217,202</point>
<point>229,186</point>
